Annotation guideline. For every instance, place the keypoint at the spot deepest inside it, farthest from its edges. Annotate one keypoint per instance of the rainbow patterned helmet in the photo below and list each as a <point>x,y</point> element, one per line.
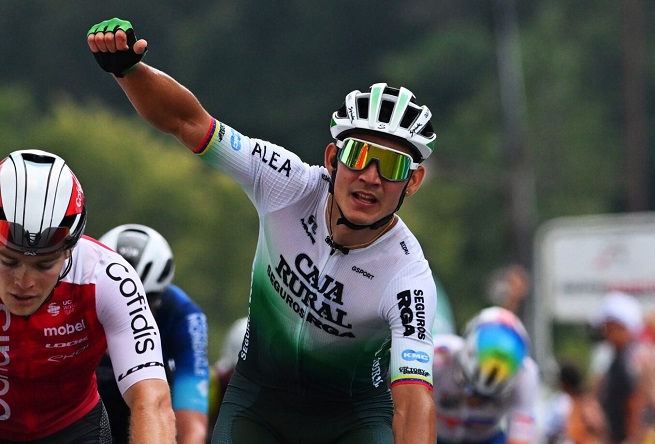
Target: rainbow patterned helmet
<point>386,110</point>
<point>495,345</point>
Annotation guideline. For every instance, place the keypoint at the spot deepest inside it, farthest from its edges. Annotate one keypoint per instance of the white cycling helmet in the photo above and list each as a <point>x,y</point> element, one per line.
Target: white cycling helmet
<point>147,251</point>
<point>386,110</point>
<point>41,203</point>
<point>495,345</point>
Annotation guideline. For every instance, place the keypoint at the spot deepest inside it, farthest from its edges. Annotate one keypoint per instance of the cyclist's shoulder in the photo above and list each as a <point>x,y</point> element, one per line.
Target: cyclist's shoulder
<point>92,257</point>
<point>178,308</point>
<point>175,296</point>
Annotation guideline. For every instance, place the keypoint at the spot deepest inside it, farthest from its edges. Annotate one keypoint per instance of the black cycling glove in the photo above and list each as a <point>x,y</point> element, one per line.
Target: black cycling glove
<point>121,62</point>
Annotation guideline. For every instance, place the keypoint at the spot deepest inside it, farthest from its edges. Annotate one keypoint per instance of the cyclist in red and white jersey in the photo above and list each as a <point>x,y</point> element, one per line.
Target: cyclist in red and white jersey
<point>183,332</point>
<point>65,299</point>
<point>341,293</point>
<point>488,385</point>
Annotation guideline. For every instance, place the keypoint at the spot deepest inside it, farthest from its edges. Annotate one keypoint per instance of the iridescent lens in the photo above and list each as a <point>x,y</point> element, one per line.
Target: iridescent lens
<point>392,165</point>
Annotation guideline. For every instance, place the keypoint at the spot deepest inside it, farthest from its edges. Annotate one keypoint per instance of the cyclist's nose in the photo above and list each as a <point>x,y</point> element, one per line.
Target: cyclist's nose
<point>23,278</point>
<point>371,173</point>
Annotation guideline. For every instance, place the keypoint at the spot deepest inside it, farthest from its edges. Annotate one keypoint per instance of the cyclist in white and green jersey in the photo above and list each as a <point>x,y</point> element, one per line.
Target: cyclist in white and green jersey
<point>342,299</point>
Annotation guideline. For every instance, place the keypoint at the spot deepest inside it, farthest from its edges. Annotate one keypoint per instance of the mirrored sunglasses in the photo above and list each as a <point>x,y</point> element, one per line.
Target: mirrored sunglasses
<point>392,165</point>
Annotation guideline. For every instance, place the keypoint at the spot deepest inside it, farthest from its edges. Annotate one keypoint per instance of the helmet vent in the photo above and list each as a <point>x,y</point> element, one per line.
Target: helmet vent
<point>146,270</point>
<point>32,239</point>
<point>38,158</point>
<point>410,116</point>
<point>166,271</point>
<point>362,108</point>
<point>386,111</point>
<point>492,376</point>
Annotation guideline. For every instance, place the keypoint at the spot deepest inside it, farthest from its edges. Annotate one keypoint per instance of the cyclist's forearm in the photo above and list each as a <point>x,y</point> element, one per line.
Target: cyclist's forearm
<point>191,426</point>
<point>152,419</point>
<point>166,104</point>
<point>414,415</point>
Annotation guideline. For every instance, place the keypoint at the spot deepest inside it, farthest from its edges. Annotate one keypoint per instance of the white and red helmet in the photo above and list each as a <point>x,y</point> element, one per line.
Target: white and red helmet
<point>42,207</point>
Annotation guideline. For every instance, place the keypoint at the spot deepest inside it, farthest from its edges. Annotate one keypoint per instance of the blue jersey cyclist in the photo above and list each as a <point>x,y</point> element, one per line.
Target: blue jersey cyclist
<point>342,298</point>
<point>183,332</point>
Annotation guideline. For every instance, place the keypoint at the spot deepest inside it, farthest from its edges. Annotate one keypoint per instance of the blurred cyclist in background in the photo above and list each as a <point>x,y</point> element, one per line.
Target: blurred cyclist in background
<point>65,300</point>
<point>487,382</point>
<point>183,330</point>
<point>222,370</point>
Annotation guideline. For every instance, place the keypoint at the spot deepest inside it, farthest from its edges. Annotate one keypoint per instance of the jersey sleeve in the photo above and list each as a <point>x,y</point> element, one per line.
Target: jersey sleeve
<point>521,417</point>
<point>133,339</point>
<point>190,386</point>
<point>271,175</point>
<point>411,307</point>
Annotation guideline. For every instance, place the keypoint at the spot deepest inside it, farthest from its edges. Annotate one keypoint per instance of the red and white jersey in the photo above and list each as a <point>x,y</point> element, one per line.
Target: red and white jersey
<point>461,419</point>
<point>48,359</point>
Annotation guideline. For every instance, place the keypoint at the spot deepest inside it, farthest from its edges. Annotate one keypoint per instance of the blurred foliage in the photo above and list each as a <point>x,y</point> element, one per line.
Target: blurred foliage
<point>277,71</point>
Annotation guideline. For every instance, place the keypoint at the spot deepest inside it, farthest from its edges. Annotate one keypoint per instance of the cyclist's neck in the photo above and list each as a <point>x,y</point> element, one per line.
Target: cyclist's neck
<point>343,237</point>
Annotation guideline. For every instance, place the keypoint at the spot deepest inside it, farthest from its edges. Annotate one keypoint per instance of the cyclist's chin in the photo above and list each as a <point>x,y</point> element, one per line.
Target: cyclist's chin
<point>359,217</point>
<point>362,212</point>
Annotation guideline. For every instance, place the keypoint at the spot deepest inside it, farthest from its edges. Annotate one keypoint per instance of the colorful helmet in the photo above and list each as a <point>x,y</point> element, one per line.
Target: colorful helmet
<point>41,203</point>
<point>386,110</point>
<point>495,344</point>
<point>147,251</point>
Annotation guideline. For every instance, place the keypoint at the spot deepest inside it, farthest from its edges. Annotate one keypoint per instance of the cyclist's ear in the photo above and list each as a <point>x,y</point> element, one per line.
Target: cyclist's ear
<point>331,156</point>
<point>415,181</point>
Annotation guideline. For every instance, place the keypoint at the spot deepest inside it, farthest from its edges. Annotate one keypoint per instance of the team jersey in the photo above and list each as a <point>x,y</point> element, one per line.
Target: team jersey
<point>47,370</point>
<point>183,332</point>
<point>459,419</point>
<point>323,323</point>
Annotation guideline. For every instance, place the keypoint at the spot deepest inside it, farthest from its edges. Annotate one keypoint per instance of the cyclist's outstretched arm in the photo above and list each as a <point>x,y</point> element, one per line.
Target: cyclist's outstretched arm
<point>157,97</point>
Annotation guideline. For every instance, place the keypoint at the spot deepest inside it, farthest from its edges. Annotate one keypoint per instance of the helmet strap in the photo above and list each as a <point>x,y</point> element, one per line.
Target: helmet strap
<point>343,220</point>
<point>353,226</point>
<point>67,269</point>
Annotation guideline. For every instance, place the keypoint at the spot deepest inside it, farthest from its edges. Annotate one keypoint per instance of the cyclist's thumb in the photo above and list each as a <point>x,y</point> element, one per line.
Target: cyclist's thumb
<point>140,46</point>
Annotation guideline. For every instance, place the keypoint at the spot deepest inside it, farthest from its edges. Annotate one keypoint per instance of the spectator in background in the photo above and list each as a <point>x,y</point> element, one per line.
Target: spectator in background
<point>575,414</point>
<point>183,332</point>
<point>508,287</point>
<point>556,412</point>
<point>647,339</point>
<point>620,389</point>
